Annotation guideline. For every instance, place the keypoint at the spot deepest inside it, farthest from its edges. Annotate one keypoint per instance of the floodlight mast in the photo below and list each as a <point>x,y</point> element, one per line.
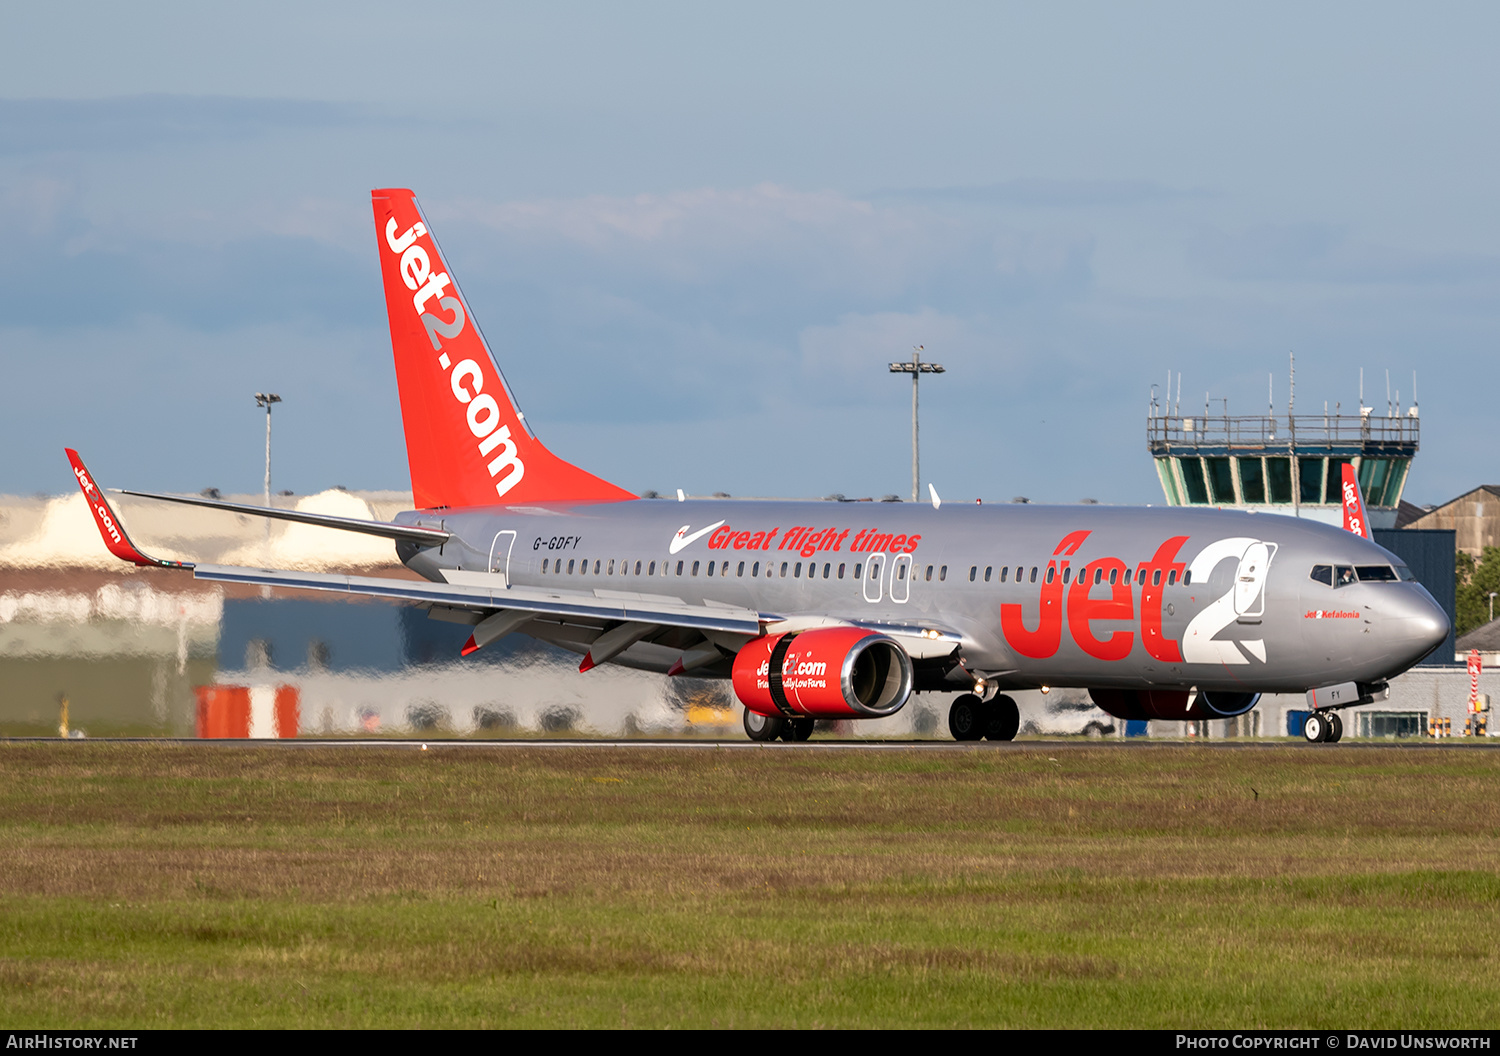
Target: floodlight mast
<point>916,368</point>
<point>266,399</point>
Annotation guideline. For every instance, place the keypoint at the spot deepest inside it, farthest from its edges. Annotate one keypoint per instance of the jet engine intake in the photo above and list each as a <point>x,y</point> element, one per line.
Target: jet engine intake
<point>828,673</point>
<point>1173,704</point>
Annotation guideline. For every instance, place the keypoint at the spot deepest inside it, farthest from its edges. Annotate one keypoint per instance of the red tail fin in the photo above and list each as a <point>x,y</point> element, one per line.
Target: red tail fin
<point>1354,504</point>
<point>467,442</point>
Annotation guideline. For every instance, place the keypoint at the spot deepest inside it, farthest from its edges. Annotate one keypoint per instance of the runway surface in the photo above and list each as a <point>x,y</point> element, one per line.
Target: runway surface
<point>412,744</point>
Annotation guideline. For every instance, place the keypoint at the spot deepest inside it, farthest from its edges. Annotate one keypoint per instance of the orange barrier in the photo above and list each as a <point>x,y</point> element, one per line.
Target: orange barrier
<point>225,712</point>
<point>288,711</point>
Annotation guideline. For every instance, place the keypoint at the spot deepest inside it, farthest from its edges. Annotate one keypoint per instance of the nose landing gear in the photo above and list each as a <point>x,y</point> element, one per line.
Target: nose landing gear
<point>972,719</point>
<point>1323,726</point>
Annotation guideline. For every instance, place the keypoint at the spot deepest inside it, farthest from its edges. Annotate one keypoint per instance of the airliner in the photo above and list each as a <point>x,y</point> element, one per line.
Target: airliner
<point>841,610</point>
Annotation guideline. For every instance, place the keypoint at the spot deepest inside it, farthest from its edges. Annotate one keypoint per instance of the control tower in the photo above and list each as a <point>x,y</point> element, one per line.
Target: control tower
<point>1287,464</point>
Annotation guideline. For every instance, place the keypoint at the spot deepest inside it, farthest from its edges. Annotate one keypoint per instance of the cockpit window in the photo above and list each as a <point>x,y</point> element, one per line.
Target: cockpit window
<point>1343,575</point>
<point>1376,574</point>
<point>1323,574</point>
<point>1404,574</point>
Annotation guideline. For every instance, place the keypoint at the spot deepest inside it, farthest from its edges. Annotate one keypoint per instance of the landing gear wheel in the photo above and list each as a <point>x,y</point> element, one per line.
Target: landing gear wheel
<point>1316,728</point>
<point>1003,721</point>
<point>966,718</point>
<point>796,729</point>
<point>762,727</point>
<point>1335,728</point>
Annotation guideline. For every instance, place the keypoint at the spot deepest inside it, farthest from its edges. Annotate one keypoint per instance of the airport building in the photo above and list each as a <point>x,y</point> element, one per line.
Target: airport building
<point>1283,464</point>
<point>1293,466</point>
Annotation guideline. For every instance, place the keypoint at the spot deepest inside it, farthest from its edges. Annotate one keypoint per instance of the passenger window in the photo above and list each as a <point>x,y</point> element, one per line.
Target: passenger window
<point>1004,572</point>
<point>755,569</point>
<point>797,571</point>
<point>841,571</point>
<point>827,569</point>
<point>695,568</point>
<point>544,565</point>
<point>1067,573</point>
<point>1322,574</point>
<point>1187,577</point>
<point>638,568</point>
<point>942,573</point>
<point>570,567</point>
<point>901,571</point>
<point>679,568</point>
<point>1051,572</point>
<point>973,572</point>
<point>741,570</point>
<point>1172,578</point>
<point>1114,576</point>
<point>596,566</point>
<point>987,570</point>
<point>1098,575</point>
<point>856,571</point>
<point>611,570</point>
<point>710,567</point>
<point>1033,573</point>
<point>783,570</point>
<point>650,570</point>
<point>929,573</point>
<point>1156,578</point>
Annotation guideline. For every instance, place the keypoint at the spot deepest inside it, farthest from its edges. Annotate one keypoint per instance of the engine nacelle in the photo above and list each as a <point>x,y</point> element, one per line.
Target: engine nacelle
<point>828,673</point>
<point>1174,704</point>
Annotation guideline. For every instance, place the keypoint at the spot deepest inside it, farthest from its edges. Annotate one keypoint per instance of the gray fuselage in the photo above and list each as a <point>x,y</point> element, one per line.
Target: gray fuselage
<point>1108,597</point>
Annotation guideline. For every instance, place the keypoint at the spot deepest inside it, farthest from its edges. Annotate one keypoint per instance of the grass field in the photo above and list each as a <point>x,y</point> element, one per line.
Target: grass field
<point>1168,886</point>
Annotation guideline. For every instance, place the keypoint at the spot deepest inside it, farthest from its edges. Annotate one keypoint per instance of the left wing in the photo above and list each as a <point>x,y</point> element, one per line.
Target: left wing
<point>496,607</point>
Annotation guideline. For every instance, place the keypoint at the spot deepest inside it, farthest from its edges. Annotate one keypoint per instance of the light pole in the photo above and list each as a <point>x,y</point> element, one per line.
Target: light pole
<point>916,368</point>
<point>266,399</point>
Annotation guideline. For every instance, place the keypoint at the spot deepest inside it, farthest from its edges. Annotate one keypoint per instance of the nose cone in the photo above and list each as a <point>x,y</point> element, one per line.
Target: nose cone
<point>1417,626</point>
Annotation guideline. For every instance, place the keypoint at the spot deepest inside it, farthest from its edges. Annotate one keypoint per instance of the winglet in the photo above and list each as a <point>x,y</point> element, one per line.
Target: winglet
<point>1355,519</point>
<point>587,664</point>
<point>469,647</point>
<point>108,522</point>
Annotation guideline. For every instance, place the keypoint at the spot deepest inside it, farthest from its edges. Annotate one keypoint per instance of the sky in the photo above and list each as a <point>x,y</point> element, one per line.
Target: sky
<point>695,234</point>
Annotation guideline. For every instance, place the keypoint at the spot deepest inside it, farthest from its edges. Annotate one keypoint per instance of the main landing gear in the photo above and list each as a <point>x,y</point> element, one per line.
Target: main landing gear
<point>970,718</point>
<point>770,727</point>
<point>1324,726</point>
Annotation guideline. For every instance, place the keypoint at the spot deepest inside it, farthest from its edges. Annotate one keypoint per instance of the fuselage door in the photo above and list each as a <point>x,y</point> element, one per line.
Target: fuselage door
<point>901,578</point>
<point>1250,581</point>
<point>874,577</point>
<point>500,550</point>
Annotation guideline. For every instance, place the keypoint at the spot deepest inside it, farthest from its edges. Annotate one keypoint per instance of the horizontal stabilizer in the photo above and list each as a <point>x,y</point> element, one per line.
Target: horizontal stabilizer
<point>385,529</point>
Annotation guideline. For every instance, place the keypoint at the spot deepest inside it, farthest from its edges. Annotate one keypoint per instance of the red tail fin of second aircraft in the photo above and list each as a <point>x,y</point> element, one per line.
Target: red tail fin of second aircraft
<point>467,442</point>
<point>1354,504</point>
